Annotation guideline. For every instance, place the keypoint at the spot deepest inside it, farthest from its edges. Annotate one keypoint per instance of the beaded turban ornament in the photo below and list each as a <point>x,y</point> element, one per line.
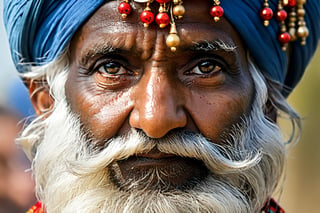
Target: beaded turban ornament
<point>39,30</point>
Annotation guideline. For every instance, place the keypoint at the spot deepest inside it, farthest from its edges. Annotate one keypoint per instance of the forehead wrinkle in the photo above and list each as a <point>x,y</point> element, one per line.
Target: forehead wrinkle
<point>146,42</point>
<point>209,36</point>
<point>116,43</point>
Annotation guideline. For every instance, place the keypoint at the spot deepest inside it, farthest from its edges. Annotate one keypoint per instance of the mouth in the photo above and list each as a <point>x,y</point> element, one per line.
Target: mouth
<point>157,171</point>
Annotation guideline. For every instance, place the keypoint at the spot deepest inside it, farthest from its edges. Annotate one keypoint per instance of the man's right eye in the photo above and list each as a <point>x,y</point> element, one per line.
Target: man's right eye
<point>111,68</point>
<point>206,67</point>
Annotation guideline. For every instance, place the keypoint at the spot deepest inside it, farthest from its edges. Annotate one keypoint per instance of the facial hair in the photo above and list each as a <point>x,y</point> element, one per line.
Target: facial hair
<point>243,171</point>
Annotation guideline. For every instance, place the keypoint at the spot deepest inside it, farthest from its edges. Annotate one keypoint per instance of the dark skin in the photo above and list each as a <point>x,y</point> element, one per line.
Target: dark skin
<point>123,76</point>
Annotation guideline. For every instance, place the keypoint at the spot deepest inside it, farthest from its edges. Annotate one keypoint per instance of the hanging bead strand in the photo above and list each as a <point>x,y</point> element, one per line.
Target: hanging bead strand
<point>266,13</point>
<point>173,39</point>
<point>302,31</point>
<point>281,16</point>
<point>162,17</point>
<point>178,9</point>
<point>292,23</point>
<point>124,8</point>
<point>216,11</point>
<point>147,16</point>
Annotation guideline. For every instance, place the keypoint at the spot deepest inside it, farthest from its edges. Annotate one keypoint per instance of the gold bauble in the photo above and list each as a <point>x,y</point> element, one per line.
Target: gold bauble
<point>302,32</point>
<point>179,11</point>
<point>173,41</point>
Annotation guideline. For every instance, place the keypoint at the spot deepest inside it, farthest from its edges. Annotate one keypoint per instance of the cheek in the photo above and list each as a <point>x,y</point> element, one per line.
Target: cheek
<point>214,114</point>
<point>102,113</point>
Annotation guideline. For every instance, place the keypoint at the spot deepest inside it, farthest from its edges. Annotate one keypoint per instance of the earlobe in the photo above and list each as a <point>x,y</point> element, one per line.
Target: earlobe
<point>40,97</point>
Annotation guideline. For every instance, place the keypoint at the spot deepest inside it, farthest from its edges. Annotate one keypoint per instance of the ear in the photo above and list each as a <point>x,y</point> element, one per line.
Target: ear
<point>40,97</point>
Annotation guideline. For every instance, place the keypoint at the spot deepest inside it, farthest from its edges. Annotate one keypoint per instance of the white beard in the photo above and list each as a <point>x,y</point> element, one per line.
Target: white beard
<point>73,177</point>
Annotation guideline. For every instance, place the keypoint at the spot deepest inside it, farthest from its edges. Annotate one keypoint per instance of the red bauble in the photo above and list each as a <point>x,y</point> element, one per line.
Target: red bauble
<point>162,19</point>
<point>124,8</point>
<point>163,1</point>
<point>284,38</point>
<point>147,17</point>
<point>281,15</point>
<point>266,13</point>
<point>292,3</point>
<point>216,11</point>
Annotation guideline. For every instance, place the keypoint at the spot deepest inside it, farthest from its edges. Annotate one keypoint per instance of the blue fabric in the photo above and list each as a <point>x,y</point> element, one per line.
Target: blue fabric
<point>39,30</point>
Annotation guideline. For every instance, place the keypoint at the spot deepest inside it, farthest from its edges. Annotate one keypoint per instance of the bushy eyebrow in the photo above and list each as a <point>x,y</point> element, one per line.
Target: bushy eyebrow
<point>203,46</point>
<point>98,49</point>
<point>216,45</point>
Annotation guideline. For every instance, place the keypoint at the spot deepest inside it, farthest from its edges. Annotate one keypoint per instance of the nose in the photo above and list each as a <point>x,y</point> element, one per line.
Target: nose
<point>158,105</point>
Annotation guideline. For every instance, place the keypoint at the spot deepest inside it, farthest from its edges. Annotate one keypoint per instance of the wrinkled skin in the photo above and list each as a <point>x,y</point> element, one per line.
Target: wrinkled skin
<point>123,76</point>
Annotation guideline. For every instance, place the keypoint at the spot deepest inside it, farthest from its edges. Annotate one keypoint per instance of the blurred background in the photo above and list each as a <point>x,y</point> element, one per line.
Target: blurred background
<point>16,184</point>
<point>302,188</point>
<point>301,192</point>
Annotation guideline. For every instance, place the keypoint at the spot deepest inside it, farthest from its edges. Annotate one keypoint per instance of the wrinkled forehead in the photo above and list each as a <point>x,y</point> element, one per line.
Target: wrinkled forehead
<point>108,16</point>
<point>106,28</point>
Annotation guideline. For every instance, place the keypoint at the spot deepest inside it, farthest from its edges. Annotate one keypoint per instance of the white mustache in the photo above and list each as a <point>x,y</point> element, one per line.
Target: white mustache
<point>217,158</point>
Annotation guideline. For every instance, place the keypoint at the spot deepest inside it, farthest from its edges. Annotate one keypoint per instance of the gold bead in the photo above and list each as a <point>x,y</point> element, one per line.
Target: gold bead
<point>301,12</point>
<point>179,11</point>
<point>284,47</point>
<point>301,1</point>
<point>173,49</point>
<point>124,16</point>
<point>162,25</point>
<point>161,9</point>
<point>173,39</point>
<point>176,1</point>
<point>302,32</point>
<point>292,32</point>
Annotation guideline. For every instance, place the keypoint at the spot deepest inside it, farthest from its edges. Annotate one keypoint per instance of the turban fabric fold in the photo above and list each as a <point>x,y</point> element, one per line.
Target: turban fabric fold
<point>39,30</point>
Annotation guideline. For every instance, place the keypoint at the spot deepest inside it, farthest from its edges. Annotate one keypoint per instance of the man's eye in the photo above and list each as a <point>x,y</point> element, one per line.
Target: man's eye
<point>206,67</point>
<point>112,68</point>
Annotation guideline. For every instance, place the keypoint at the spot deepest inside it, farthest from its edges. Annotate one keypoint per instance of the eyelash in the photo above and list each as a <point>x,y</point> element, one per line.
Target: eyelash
<point>104,62</point>
<point>216,62</point>
<point>100,62</point>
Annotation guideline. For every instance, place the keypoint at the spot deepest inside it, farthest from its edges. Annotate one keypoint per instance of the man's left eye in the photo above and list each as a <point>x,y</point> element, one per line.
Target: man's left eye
<point>206,67</point>
<point>112,68</point>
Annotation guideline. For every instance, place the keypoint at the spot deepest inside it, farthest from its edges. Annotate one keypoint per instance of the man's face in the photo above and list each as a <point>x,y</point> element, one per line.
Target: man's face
<point>138,128</point>
<point>123,77</point>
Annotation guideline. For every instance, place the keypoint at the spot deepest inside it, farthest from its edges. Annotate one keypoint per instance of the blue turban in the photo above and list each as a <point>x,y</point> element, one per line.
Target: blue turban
<point>39,30</point>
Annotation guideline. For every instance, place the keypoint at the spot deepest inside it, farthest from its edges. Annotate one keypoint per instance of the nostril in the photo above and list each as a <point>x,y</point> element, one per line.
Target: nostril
<point>159,125</point>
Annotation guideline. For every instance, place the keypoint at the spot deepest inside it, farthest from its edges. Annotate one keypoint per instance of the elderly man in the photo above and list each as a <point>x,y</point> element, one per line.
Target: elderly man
<point>159,106</point>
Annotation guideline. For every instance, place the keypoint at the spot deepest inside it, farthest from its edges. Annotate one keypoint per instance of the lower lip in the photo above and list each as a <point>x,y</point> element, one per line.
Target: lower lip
<point>144,162</point>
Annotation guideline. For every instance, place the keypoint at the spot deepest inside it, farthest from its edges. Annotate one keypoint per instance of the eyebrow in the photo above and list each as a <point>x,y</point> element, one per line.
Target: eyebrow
<point>216,45</point>
<point>99,49</point>
<point>204,46</point>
